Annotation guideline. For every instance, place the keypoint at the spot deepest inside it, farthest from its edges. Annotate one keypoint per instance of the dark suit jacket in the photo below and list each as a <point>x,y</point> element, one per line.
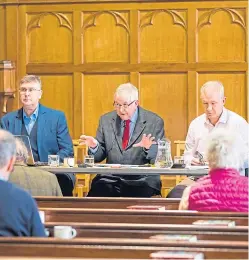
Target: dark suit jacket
<point>36,181</point>
<point>110,137</point>
<point>52,131</point>
<point>19,214</point>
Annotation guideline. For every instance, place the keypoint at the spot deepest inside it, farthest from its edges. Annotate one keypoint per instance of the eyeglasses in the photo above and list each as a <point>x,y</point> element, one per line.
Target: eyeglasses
<point>30,90</point>
<point>125,106</point>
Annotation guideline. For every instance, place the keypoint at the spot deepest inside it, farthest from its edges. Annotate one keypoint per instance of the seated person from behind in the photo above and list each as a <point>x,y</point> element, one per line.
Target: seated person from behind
<point>223,189</point>
<point>18,211</point>
<point>34,180</point>
<point>126,136</point>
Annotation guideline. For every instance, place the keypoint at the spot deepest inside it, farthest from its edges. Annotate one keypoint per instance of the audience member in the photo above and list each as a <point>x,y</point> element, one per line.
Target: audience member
<point>126,136</point>
<point>36,181</point>
<point>18,211</point>
<point>223,189</point>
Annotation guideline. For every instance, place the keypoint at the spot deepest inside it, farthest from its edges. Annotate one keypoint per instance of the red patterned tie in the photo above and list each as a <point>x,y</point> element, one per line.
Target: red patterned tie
<point>126,134</point>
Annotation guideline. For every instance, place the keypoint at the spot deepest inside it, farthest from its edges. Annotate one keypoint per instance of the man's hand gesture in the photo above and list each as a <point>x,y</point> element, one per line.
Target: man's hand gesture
<point>88,140</point>
<point>146,141</point>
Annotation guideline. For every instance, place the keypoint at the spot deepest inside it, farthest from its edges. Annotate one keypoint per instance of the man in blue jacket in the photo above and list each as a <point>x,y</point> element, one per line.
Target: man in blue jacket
<point>18,211</point>
<point>47,128</point>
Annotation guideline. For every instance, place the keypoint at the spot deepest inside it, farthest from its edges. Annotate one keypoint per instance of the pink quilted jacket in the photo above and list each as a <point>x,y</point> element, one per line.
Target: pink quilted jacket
<point>221,190</point>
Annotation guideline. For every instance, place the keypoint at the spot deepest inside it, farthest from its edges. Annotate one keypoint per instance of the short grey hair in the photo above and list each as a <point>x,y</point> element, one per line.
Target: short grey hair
<point>127,91</point>
<point>213,84</point>
<point>7,147</point>
<point>31,79</point>
<point>225,150</point>
<point>21,151</point>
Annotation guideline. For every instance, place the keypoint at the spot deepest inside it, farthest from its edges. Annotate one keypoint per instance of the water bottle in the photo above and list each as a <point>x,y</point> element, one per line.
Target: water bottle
<point>164,158</point>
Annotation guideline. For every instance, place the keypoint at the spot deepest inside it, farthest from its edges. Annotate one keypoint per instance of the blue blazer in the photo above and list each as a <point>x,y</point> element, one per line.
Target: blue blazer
<point>52,131</point>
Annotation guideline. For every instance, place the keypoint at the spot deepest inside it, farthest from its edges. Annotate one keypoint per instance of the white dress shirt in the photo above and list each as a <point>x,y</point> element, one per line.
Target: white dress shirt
<point>201,127</point>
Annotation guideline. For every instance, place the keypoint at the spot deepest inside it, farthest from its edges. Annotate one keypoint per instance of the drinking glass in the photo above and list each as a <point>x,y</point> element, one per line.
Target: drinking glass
<point>89,160</point>
<point>53,160</point>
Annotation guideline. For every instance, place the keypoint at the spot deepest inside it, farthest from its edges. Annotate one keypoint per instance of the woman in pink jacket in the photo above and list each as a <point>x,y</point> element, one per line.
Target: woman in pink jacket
<point>223,189</point>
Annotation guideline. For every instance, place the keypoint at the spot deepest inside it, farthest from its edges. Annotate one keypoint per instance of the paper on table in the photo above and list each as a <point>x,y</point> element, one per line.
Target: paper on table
<point>197,167</point>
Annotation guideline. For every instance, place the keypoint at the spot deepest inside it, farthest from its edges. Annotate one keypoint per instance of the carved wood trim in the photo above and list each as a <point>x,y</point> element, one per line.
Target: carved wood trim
<point>35,22</point>
<point>149,18</point>
<point>206,18</point>
<point>92,19</point>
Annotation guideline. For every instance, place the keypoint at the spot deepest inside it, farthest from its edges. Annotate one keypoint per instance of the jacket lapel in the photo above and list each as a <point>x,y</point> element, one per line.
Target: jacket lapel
<point>139,127</point>
<point>18,123</point>
<point>116,126</point>
<point>41,124</point>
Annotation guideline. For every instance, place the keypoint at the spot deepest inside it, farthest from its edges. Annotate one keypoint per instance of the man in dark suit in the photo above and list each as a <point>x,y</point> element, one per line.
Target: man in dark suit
<point>46,127</point>
<point>126,136</point>
<point>18,211</point>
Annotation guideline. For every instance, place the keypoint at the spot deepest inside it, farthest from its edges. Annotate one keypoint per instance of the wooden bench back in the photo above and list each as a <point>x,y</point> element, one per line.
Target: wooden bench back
<point>138,216</point>
<point>104,203</point>
<point>100,248</point>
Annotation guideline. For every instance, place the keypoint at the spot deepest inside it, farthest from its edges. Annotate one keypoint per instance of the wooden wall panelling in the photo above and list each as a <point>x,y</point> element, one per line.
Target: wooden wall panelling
<point>49,37</point>
<point>106,36</point>
<point>58,93</point>
<point>222,35</point>
<point>2,33</point>
<point>159,27</point>
<point>11,44</point>
<point>159,94</point>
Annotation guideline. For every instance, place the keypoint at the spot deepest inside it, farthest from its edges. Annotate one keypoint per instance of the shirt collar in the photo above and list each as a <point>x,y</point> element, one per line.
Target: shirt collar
<point>33,116</point>
<point>133,118</point>
<point>223,118</point>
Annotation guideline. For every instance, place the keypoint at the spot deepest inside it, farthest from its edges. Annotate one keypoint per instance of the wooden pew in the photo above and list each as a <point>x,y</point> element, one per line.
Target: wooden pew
<point>104,203</point>
<point>116,248</point>
<point>138,216</point>
<point>107,230</point>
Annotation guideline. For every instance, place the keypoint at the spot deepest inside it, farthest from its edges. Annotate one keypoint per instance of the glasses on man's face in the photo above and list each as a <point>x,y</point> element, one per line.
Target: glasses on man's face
<point>30,90</point>
<point>125,106</point>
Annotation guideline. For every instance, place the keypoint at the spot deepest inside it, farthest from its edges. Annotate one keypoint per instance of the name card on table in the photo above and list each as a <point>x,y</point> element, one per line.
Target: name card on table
<point>188,238</point>
<point>146,207</point>
<point>225,223</point>
<point>177,255</point>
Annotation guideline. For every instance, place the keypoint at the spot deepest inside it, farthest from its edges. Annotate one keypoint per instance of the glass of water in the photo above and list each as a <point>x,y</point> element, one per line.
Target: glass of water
<point>53,160</point>
<point>89,160</point>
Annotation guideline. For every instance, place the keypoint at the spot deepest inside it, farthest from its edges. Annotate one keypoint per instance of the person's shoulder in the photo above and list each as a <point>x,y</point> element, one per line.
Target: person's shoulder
<point>198,120</point>
<point>51,111</point>
<point>109,115</point>
<point>234,116</point>
<point>13,191</point>
<point>10,115</point>
<point>150,114</point>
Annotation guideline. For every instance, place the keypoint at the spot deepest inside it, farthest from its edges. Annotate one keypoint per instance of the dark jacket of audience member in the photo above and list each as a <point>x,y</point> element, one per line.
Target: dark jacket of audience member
<point>18,213</point>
